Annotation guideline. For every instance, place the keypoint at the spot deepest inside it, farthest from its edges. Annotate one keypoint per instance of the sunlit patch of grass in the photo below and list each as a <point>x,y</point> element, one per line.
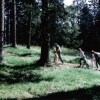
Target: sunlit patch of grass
<point>18,51</point>
<point>18,61</point>
<point>21,55</point>
<point>22,50</point>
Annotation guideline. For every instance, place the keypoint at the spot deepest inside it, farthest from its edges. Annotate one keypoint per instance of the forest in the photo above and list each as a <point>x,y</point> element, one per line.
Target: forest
<point>30,33</point>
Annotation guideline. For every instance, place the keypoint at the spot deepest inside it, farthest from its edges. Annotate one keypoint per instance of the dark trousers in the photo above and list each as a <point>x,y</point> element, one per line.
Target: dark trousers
<point>97,62</point>
<point>59,55</point>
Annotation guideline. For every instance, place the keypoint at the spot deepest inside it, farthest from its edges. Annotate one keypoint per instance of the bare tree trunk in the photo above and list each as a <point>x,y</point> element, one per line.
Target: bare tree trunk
<point>13,22</point>
<point>8,26</point>
<point>45,36</point>
<point>4,34</point>
<point>99,3</point>
<point>29,26</point>
<point>1,26</point>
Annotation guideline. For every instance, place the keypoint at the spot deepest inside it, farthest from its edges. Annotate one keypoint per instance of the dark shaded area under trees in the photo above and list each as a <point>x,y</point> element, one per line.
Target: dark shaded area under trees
<point>80,94</point>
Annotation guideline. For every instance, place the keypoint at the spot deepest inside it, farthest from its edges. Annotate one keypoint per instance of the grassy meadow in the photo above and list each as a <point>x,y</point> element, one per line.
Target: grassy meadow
<point>21,78</point>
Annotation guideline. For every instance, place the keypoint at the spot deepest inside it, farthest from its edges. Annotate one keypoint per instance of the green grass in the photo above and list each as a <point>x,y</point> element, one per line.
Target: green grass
<point>21,55</point>
<point>20,78</point>
<point>22,50</point>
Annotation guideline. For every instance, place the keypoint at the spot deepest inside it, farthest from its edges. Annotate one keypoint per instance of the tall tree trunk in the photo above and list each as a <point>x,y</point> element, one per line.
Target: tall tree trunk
<point>29,25</point>
<point>13,22</point>
<point>99,3</point>
<point>45,36</point>
<point>4,34</point>
<point>1,26</point>
<point>8,26</point>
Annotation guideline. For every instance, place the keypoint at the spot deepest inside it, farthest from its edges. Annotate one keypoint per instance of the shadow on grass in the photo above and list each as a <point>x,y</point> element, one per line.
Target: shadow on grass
<point>27,54</point>
<point>21,74</point>
<point>18,77</point>
<point>81,94</point>
<point>30,66</point>
<point>24,55</point>
<point>92,93</point>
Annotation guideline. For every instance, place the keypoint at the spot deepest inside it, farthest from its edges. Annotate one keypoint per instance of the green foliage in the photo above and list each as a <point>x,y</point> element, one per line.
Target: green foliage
<point>70,26</point>
<point>88,20</point>
<point>86,27</point>
<point>69,31</point>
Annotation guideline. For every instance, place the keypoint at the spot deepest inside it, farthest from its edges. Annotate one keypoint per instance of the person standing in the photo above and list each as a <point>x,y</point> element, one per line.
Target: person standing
<point>97,58</point>
<point>58,50</point>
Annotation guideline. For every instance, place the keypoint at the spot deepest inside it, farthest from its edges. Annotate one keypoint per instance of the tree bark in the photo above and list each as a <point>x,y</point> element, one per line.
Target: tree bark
<point>8,26</point>
<point>29,25</point>
<point>1,26</point>
<point>4,34</point>
<point>45,36</point>
<point>99,3</point>
<point>13,22</point>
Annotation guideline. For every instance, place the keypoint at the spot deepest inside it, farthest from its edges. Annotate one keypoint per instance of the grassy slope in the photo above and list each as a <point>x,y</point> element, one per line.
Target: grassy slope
<point>20,78</point>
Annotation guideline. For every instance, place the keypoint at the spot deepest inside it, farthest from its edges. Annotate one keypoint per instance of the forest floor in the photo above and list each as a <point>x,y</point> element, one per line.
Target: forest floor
<point>22,79</point>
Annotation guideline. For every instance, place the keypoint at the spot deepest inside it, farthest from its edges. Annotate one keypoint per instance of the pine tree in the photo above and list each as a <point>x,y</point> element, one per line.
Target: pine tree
<point>45,36</point>
<point>86,28</point>
<point>1,26</point>
<point>13,22</point>
<point>29,23</point>
<point>7,21</point>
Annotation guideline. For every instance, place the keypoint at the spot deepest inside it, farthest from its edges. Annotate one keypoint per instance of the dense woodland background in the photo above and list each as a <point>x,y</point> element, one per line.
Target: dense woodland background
<point>45,22</point>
